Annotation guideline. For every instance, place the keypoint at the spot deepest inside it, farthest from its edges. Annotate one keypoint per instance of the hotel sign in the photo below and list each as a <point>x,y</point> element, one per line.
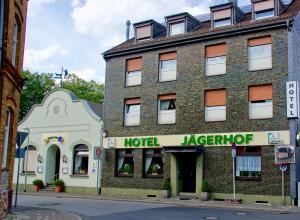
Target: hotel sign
<point>292,99</point>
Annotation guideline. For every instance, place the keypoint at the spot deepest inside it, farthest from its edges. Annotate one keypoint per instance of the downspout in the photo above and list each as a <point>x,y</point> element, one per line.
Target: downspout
<point>1,27</point>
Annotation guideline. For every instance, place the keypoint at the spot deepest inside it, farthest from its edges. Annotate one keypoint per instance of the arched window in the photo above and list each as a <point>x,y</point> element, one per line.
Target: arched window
<point>32,159</point>
<point>81,159</point>
<point>6,137</point>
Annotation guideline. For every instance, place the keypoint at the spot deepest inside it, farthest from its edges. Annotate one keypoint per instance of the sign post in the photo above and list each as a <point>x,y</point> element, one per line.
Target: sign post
<point>98,155</point>
<point>233,153</point>
<point>283,168</point>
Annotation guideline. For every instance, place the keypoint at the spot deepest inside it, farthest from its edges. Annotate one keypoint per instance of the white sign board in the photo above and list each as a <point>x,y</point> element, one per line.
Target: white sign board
<point>292,99</point>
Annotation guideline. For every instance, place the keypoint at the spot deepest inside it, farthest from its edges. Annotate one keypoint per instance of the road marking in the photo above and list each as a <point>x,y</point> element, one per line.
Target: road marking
<point>211,218</point>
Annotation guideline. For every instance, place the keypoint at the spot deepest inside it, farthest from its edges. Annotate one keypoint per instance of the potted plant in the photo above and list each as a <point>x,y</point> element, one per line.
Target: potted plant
<point>127,169</point>
<point>58,185</point>
<point>206,189</point>
<point>38,184</point>
<point>166,188</point>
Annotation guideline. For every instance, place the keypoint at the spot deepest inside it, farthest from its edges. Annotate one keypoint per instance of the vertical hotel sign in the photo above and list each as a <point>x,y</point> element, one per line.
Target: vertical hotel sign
<point>292,99</point>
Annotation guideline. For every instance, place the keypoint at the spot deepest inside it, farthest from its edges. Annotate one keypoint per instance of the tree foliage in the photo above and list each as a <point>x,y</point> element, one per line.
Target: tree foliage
<point>37,85</point>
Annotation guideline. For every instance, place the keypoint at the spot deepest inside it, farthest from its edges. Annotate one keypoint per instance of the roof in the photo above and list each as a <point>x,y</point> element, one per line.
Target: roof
<point>97,108</point>
<point>204,30</point>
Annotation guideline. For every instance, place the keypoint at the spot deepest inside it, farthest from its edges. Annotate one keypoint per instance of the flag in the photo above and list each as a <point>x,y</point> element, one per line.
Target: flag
<point>66,75</point>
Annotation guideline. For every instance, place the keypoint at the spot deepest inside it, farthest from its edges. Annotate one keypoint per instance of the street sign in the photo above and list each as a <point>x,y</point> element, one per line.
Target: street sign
<point>283,167</point>
<point>284,154</point>
<point>98,153</point>
<point>20,153</point>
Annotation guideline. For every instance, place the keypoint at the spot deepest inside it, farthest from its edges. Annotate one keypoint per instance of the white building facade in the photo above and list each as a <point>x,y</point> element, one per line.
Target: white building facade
<point>63,132</point>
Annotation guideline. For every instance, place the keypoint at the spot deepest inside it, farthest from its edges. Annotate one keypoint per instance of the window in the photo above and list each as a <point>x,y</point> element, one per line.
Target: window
<point>6,137</point>
<point>15,43</point>
<point>177,28</point>
<point>125,163</point>
<point>134,72</point>
<point>153,163</point>
<point>260,102</point>
<point>143,33</point>
<point>1,26</point>
<point>132,112</point>
<point>215,60</point>
<point>215,105</point>
<point>167,66</point>
<point>263,9</point>
<point>260,53</point>
<point>167,109</point>
<point>32,159</point>
<point>264,14</point>
<point>81,159</point>
<point>248,163</point>
<point>222,22</point>
<point>221,17</point>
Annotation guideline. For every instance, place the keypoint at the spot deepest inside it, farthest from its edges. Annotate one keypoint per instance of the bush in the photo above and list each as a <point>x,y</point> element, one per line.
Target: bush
<point>58,182</point>
<point>37,182</point>
<point>205,186</point>
<point>166,184</point>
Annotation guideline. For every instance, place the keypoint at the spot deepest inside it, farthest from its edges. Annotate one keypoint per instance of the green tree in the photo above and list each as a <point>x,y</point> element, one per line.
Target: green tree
<point>35,88</point>
<point>88,90</point>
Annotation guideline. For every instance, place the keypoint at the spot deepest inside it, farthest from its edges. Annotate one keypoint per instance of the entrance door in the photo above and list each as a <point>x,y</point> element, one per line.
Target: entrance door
<point>52,164</point>
<point>187,171</point>
<point>57,163</point>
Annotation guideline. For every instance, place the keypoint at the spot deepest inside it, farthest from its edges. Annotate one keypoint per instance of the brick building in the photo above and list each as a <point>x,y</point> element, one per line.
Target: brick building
<point>178,94</point>
<point>12,36</point>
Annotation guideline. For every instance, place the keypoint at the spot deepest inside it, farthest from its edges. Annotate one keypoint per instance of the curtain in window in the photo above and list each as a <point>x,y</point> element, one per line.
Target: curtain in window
<point>121,159</point>
<point>148,159</point>
<point>248,163</point>
<point>167,104</point>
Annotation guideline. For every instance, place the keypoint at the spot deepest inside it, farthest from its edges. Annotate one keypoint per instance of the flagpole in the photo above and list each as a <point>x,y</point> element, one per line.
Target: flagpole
<point>62,70</point>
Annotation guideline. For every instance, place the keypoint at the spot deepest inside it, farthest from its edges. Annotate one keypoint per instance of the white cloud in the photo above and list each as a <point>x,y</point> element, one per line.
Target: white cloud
<point>34,6</point>
<point>88,74</point>
<point>106,19</point>
<point>76,3</point>
<point>34,59</point>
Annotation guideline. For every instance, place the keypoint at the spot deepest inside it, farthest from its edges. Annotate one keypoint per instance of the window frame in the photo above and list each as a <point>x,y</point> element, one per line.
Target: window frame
<point>220,20</point>
<point>30,148</point>
<point>177,23</point>
<point>159,110</point>
<point>75,156</point>
<point>160,71</point>
<point>126,155</point>
<point>245,153</point>
<point>264,11</point>
<point>251,59</point>
<point>153,155</point>
<point>7,131</point>
<point>1,27</point>
<point>16,42</point>
<point>126,113</point>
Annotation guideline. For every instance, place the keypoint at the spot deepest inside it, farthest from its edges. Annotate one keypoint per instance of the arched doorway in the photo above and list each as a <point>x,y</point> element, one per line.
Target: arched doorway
<point>53,164</point>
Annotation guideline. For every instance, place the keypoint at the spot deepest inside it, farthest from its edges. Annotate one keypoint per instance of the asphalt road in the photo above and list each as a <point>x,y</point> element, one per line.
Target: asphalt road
<point>122,210</point>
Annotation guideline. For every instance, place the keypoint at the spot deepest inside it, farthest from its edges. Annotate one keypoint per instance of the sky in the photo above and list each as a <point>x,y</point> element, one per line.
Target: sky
<point>74,33</point>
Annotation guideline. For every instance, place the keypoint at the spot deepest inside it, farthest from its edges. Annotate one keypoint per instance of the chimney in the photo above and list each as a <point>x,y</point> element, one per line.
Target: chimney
<point>127,29</point>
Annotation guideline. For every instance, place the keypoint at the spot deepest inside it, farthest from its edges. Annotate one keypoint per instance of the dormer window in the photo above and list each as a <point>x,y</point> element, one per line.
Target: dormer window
<point>181,23</point>
<point>148,30</point>
<point>222,22</point>
<point>222,18</point>
<point>143,33</point>
<point>263,9</point>
<point>178,28</point>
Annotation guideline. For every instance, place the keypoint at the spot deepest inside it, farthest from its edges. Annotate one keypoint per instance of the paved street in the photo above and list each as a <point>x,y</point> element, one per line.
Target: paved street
<point>123,210</point>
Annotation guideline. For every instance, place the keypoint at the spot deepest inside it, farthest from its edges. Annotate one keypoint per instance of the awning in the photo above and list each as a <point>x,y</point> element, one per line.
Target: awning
<point>184,149</point>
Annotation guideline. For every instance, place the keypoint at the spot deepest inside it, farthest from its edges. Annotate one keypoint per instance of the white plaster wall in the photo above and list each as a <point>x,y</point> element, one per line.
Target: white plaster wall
<point>75,122</point>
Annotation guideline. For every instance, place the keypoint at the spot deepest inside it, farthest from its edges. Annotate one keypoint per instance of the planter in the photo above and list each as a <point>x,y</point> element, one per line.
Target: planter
<point>37,188</point>
<point>204,196</point>
<point>58,189</point>
<point>165,194</point>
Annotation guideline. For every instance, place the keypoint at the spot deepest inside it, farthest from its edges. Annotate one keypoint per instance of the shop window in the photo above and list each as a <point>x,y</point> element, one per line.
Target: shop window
<point>215,60</point>
<point>260,53</point>
<point>30,160</point>
<point>167,109</point>
<point>6,137</point>
<point>177,28</point>
<point>153,163</point>
<point>81,159</point>
<point>215,105</point>
<point>125,163</point>
<point>248,163</point>
<point>132,112</point>
<point>134,72</point>
<point>167,66</point>
<point>260,102</point>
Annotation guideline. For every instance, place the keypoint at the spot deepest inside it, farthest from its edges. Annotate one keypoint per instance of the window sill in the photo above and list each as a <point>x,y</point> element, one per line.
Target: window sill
<point>260,118</point>
<point>248,178</point>
<point>131,126</point>
<point>155,176</point>
<point>260,70</point>
<point>124,175</point>
<point>221,74</point>
<point>132,86</point>
<point>79,175</point>
<point>173,80</point>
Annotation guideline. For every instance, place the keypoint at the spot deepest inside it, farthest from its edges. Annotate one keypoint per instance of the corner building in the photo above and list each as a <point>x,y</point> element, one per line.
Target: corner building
<point>179,93</point>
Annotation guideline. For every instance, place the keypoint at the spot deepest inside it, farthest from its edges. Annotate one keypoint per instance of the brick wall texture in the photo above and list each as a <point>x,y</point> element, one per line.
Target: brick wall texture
<point>189,88</point>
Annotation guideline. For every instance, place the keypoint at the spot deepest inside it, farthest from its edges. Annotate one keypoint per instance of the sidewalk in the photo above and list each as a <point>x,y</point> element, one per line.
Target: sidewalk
<point>176,201</point>
<point>28,213</point>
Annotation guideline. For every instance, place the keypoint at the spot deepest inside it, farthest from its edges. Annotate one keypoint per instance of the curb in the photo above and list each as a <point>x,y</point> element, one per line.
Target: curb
<point>186,203</point>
